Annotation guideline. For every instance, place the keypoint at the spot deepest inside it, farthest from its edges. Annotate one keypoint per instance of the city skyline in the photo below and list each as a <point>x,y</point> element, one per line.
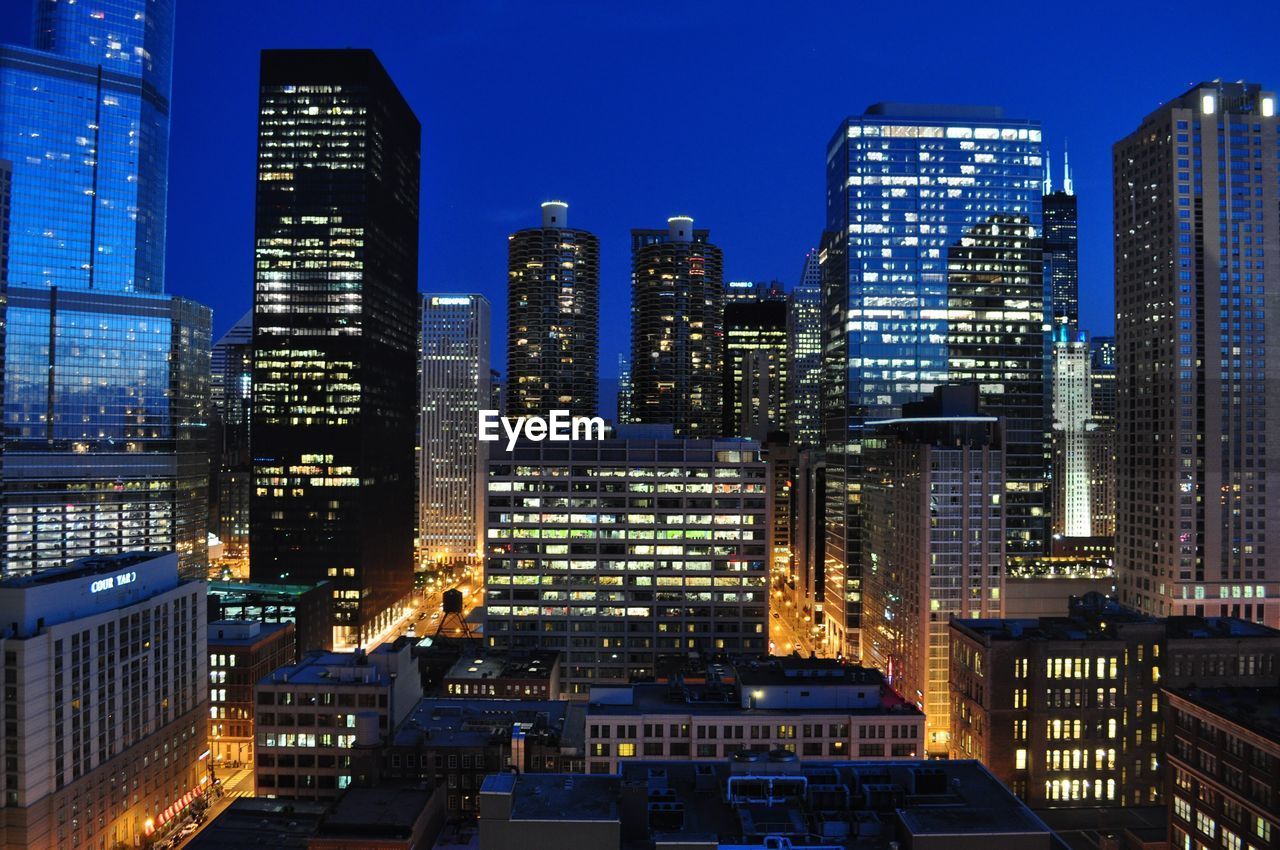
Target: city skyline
<point>473,198</point>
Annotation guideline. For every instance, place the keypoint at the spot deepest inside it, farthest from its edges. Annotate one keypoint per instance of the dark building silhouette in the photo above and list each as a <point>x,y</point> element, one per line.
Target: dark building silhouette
<point>1061,249</point>
<point>756,374</point>
<point>677,308</point>
<point>335,333</point>
<point>553,310</point>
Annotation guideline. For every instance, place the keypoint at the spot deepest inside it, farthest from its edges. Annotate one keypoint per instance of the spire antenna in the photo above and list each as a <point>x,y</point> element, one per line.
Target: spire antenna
<point>1048,174</point>
<point>1067,185</point>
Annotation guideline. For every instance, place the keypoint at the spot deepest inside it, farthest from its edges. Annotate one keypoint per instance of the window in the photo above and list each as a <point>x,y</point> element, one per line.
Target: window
<point>1020,760</point>
<point>626,750</point>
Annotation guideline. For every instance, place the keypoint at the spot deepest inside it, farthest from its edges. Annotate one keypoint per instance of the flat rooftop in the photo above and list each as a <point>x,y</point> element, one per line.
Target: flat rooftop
<point>83,568</point>
<point>872,805</point>
<point>707,700</point>
<point>533,665</point>
<point>1255,709</point>
<point>256,822</point>
<point>1110,625</point>
<point>376,812</point>
<point>452,721</point>
<point>325,668</point>
<point>241,633</point>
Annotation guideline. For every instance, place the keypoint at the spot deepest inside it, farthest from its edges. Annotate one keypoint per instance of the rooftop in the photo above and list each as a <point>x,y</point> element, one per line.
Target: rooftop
<point>83,568</point>
<point>243,632</point>
<point>376,812</point>
<point>257,822</point>
<point>854,805</point>
<point>450,721</point>
<point>322,667</point>
<point>532,665</point>
<point>1110,624</point>
<point>1255,709</point>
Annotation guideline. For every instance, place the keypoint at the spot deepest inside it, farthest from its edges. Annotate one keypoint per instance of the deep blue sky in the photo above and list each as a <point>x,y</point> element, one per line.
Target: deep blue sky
<point>636,111</point>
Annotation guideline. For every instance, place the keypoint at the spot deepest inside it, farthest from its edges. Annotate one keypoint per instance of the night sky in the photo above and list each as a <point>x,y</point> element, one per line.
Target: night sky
<point>632,112</point>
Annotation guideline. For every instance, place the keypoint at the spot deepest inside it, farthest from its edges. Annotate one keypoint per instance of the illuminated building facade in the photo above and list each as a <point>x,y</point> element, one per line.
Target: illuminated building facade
<point>335,334</point>
<point>804,355</point>
<point>231,400</point>
<point>455,387</point>
<point>930,209</point>
<point>553,317</point>
<point>241,652</point>
<point>624,389</point>
<point>756,373</point>
<point>1068,711</point>
<point>1197,203</point>
<point>105,669</point>
<point>105,376</point>
<point>619,551</point>
<point>1072,424</point>
<point>934,548</point>
<point>677,336</point>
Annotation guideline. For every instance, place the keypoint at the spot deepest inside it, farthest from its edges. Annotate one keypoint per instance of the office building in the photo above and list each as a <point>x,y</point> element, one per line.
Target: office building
<point>105,429</point>
<point>309,608</point>
<point>1061,247</point>
<point>756,371</point>
<point>816,709</point>
<point>762,802</point>
<point>322,722</point>
<point>553,317</point>
<point>1102,446</point>
<point>808,538</point>
<point>1222,746</point>
<point>1072,427</point>
<point>934,527</point>
<point>231,401</point>
<point>804,355</point>
<point>335,334</point>
<point>1067,711</point>
<point>931,266</point>
<point>105,669</point>
<point>619,551</point>
<point>455,387</point>
<point>241,653</point>
<point>677,343</point>
<point>1197,198</point>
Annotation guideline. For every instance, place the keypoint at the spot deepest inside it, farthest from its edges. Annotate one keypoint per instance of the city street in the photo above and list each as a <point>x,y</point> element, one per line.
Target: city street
<point>235,784</point>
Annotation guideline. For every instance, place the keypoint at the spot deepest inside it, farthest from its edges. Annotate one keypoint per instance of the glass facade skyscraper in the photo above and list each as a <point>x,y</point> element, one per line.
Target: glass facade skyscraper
<point>231,397</point>
<point>909,190</point>
<point>335,334</point>
<point>105,377</point>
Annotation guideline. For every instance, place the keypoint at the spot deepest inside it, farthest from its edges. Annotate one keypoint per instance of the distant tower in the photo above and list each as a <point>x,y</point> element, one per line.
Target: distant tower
<point>804,355</point>
<point>756,375</point>
<point>553,312</point>
<point>624,389</point>
<point>1061,250</point>
<point>677,311</point>
<point>1072,421</point>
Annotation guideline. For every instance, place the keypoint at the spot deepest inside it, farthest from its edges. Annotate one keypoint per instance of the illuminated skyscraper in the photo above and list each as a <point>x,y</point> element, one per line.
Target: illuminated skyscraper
<point>804,355</point>
<point>335,334</point>
<point>455,387</point>
<point>912,190</point>
<point>677,343</point>
<point>1102,445</point>
<point>624,389</point>
<point>1061,250</point>
<point>1197,208</point>
<point>553,313</point>
<point>1072,422</point>
<point>106,378</point>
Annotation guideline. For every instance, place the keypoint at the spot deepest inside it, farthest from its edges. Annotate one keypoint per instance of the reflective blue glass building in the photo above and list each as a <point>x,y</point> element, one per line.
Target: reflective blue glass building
<point>931,269</point>
<point>105,376</point>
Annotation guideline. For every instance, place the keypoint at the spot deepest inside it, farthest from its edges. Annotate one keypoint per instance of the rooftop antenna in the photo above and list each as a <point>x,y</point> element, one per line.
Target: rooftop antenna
<point>1048,174</point>
<point>1066,171</point>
